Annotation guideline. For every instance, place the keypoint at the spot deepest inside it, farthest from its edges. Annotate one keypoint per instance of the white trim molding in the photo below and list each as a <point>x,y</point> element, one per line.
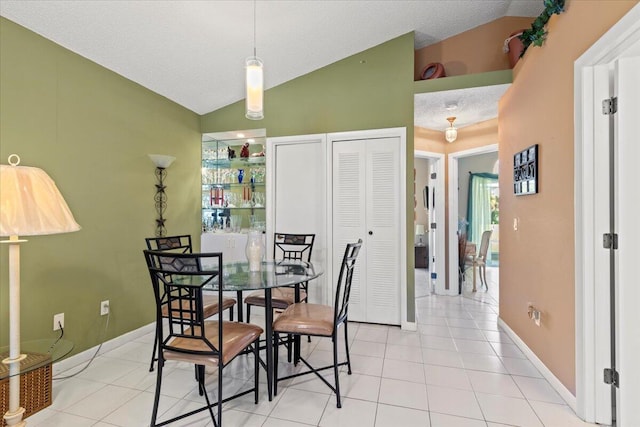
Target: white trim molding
<point>453,210</point>
<point>65,365</point>
<point>564,392</point>
<point>590,336</point>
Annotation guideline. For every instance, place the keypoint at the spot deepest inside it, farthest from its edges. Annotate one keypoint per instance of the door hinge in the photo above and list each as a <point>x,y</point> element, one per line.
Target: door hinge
<point>433,225</point>
<point>610,241</point>
<point>611,377</point>
<point>434,175</point>
<point>610,106</point>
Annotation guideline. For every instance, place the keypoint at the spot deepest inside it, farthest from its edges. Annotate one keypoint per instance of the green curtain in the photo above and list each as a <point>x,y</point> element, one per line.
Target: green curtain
<point>479,205</point>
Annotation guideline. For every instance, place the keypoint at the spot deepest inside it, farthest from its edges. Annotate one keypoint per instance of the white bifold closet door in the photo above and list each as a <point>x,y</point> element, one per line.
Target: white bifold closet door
<point>366,202</point>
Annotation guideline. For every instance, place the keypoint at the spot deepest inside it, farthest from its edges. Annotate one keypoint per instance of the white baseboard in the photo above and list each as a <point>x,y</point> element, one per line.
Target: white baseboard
<point>564,392</point>
<point>85,356</point>
<point>409,326</point>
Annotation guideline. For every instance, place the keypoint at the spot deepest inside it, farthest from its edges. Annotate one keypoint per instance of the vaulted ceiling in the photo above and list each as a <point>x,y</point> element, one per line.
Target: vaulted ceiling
<point>193,52</point>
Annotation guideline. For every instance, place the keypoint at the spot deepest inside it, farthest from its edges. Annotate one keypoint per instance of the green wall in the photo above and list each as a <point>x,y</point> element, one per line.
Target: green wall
<point>91,130</point>
<point>370,90</point>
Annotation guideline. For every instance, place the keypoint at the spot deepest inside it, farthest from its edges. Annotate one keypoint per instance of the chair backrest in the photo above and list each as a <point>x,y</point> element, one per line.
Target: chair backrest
<point>343,289</point>
<point>462,250</point>
<point>179,244</point>
<point>484,245</point>
<point>178,285</point>
<point>293,246</point>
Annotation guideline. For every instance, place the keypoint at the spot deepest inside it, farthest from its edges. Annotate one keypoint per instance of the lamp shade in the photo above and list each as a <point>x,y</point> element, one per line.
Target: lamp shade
<point>30,203</point>
<point>451,133</point>
<point>161,160</point>
<point>255,88</point>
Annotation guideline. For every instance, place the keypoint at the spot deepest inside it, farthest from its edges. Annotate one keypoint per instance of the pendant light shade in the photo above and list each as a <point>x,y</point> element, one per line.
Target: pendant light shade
<point>451,133</point>
<point>255,88</point>
<point>254,80</point>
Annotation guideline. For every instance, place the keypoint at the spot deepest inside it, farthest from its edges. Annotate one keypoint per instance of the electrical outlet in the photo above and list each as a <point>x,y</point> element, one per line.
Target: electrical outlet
<point>104,307</point>
<point>58,321</point>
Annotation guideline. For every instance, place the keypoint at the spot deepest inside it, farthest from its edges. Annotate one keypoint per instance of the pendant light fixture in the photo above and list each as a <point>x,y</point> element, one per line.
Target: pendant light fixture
<point>254,80</point>
<point>451,133</point>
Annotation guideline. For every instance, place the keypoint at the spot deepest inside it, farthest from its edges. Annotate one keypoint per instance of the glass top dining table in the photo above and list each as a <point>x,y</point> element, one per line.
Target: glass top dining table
<point>273,274</point>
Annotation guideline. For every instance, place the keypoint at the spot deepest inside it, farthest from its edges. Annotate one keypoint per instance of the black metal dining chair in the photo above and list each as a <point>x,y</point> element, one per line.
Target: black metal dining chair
<point>178,281</point>
<point>285,246</point>
<point>321,320</point>
<point>182,244</point>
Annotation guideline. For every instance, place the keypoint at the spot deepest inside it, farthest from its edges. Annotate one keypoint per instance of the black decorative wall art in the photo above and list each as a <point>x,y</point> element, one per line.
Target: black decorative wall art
<point>525,171</point>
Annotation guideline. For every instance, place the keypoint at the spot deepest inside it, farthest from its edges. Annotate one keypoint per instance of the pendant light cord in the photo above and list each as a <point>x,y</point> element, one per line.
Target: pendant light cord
<point>254,29</point>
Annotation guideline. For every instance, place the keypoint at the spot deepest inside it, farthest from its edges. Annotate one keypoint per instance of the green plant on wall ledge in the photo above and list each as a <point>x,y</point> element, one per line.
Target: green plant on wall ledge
<point>537,34</point>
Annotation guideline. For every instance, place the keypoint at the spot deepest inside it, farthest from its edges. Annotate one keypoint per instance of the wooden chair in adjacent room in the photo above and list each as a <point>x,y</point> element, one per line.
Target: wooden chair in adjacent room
<point>481,258</point>
<point>182,244</point>
<point>187,336</point>
<point>323,321</point>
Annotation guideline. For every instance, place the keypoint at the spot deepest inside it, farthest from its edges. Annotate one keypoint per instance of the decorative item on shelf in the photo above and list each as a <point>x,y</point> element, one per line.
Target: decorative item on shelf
<point>162,162</point>
<point>231,153</point>
<point>433,70</point>
<point>254,80</point>
<point>537,34</point>
<point>254,250</point>
<point>514,47</point>
<point>30,205</point>
<point>244,151</point>
<point>451,133</point>
<point>240,175</point>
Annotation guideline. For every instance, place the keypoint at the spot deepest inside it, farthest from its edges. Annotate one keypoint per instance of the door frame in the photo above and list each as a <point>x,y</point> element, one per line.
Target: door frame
<point>401,133</point>
<point>440,253</point>
<point>453,210</point>
<point>591,312</point>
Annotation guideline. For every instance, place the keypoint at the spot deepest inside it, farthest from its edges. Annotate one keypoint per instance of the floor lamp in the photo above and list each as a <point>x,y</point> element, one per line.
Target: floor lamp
<point>30,205</point>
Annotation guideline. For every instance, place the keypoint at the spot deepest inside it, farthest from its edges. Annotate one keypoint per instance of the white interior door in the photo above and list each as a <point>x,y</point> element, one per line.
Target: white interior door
<point>628,205</point>
<point>299,197</point>
<point>382,222</point>
<point>366,200</point>
<point>349,222</point>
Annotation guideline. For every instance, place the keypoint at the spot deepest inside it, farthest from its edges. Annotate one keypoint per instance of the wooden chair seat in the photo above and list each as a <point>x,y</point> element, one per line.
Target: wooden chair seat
<point>281,298</point>
<point>237,337</point>
<point>306,319</point>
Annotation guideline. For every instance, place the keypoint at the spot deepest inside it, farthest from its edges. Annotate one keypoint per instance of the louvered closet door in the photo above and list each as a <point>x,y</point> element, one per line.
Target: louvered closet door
<point>349,218</point>
<point>366,205</point>
<point>383,230</point>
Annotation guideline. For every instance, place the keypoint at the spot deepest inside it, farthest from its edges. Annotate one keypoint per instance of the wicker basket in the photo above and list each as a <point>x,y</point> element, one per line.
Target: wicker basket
<point>35,385</point>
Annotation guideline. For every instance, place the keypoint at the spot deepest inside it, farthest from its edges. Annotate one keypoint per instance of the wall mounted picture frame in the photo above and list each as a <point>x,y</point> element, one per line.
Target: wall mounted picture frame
<point>525,171</point>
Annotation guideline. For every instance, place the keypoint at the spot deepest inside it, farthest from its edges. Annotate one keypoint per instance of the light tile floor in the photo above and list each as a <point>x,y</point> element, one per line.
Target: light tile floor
<point>458,370</point>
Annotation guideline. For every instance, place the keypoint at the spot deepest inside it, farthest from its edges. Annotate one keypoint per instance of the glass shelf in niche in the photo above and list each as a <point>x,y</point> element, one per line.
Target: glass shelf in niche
<point>206,186</point>
<point>217,208</point>
<point>233,163</point>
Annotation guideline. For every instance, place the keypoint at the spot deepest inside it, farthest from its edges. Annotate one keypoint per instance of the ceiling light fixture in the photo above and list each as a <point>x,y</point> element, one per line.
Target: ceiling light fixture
<point>451,133</point>
<point>255,80</point>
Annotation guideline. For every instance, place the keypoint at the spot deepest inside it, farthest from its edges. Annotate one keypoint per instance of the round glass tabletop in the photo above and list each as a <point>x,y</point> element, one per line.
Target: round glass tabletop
<point>37,353</point>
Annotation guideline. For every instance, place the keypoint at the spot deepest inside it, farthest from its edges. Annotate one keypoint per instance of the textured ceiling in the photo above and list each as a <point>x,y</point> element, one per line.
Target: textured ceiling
<point>193,52</point>
<point>469,106</point>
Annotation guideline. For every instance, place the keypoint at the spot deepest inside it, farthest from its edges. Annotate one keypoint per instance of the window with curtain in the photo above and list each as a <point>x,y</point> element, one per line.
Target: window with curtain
<point>482,205</point>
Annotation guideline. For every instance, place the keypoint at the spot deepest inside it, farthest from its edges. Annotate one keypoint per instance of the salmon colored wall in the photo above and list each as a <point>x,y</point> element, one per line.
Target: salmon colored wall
<point>474,136</point>
<point>537,260</point>
<point>475,51</point>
